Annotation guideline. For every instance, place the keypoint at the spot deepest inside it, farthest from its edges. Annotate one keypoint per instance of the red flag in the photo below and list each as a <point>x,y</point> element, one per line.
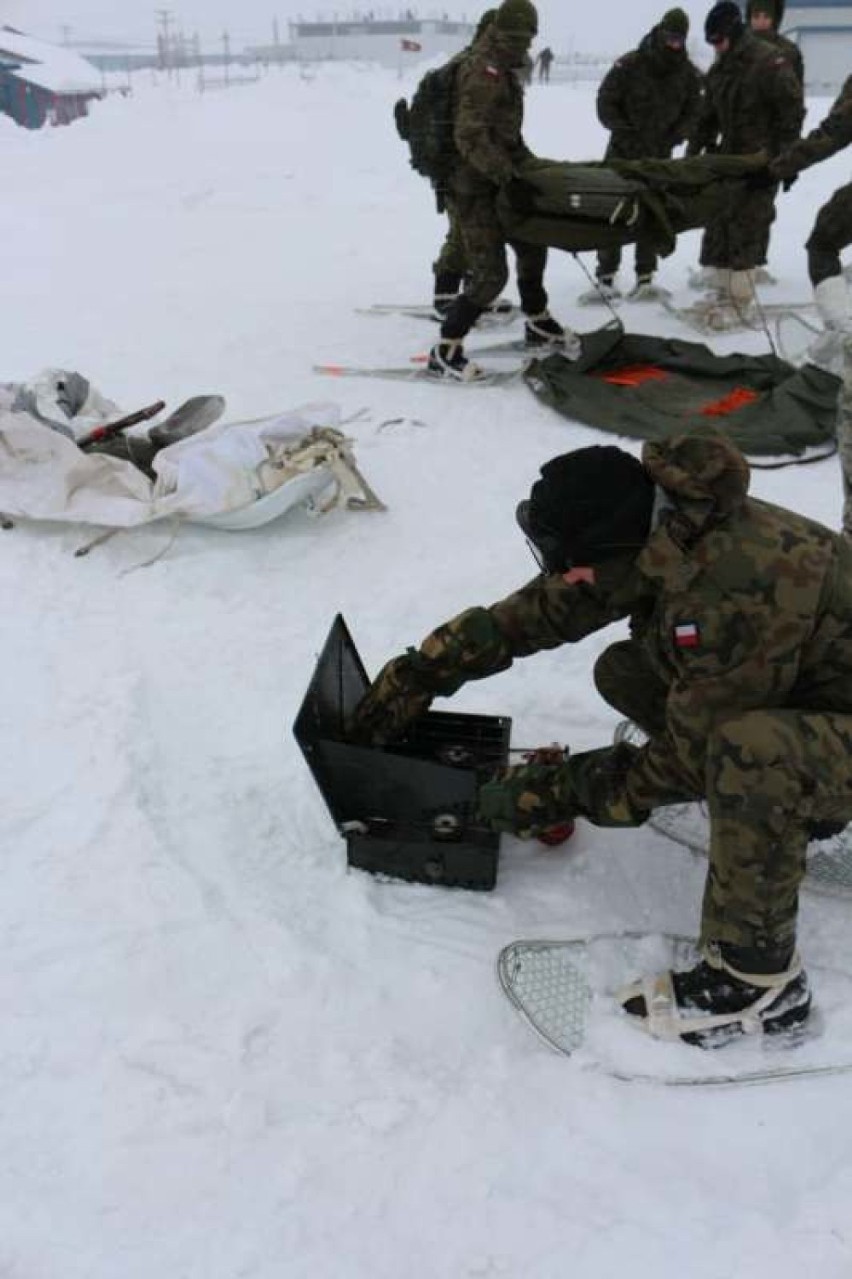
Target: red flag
<point>410,46</point>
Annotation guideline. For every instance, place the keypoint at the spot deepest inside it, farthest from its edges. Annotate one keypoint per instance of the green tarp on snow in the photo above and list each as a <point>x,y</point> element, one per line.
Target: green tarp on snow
<point>649,388</point>
<point>581,207</point>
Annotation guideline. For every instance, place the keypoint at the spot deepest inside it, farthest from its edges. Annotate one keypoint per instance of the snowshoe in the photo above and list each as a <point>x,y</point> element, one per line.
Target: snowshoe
<point>605,290</point>
<point>645,290</point>
<point>448,360</point>
<point>713,1003</point>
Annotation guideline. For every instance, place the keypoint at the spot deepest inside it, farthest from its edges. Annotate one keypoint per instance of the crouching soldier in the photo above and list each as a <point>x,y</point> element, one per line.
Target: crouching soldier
<point>738,668</point>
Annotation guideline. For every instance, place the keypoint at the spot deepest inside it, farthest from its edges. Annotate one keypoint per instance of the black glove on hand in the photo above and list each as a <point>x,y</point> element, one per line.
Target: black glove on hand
<point>521,195</point>
<point>398,695</point>
<point>784,170</point>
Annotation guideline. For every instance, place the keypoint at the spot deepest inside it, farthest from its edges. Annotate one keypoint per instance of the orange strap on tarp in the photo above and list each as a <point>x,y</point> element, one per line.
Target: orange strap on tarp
<point>736,399</point>
<point>633,375</point>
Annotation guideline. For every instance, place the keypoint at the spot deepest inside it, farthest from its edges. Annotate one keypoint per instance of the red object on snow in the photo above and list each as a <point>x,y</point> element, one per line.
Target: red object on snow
<point>555,835</point>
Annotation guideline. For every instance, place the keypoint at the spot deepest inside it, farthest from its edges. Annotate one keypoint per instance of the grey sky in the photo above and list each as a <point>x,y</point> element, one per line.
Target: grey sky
<point>608,26</point>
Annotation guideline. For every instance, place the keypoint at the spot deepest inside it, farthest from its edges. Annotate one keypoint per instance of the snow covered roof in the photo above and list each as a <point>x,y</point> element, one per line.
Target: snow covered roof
<point>48,65</point>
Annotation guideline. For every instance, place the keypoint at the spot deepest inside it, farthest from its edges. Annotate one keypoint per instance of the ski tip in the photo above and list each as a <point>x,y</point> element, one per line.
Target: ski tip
<point>331,370</point>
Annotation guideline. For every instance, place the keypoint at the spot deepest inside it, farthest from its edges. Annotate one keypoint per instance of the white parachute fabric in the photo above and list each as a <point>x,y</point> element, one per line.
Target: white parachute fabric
<point>234,475</point>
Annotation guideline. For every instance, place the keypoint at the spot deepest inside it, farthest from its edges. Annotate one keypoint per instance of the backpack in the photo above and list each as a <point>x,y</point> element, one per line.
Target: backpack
<point>430,124</point>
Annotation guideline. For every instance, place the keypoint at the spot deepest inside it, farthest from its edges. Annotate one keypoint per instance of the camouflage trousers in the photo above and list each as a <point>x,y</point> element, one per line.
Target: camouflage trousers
<point>844,435</point>
<point>832,233</point>
<point>485,248</point>
<point>737,236</point>
<point>768,774</point>
<point>452,258</point>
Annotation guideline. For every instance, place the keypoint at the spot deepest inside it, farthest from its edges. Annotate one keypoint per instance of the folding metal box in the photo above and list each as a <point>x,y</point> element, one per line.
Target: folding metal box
<point>407,809</point>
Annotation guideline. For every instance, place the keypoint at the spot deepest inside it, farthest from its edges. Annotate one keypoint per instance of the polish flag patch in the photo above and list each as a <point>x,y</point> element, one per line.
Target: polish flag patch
<point>686,635</point>
<point>492,72</point>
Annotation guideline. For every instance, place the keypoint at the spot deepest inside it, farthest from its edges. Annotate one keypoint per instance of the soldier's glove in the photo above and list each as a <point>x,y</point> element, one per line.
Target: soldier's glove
<point>532,799</point>
<point>398,695</point>
<point>785,170</point>
<point>400,115</point>
<point>760,180</point>
<point>521,196</point>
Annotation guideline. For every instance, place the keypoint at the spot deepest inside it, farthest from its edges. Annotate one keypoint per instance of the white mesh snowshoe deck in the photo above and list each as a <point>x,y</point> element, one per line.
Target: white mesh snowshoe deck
<point>547,983</point>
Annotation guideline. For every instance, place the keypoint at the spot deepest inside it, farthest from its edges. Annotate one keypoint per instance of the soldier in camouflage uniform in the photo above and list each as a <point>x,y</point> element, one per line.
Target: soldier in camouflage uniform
<point>649,101</point>
<point>738,668</point>
<point>752,102</point>
<point>488,119</point>
<point>764,18</point>
<point>450,266</point>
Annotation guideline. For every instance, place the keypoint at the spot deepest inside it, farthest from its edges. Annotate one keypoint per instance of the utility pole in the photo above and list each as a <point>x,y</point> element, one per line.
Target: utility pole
<point>66,35</point>
<point>226,44</point>
<point>164,18</point>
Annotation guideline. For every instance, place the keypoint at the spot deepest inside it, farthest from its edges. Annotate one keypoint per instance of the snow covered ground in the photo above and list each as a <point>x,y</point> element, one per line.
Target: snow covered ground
<point>222,1056</point>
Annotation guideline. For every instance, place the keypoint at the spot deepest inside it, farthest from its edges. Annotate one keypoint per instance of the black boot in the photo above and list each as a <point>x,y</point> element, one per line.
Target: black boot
<point>447,285</point>
<point>543,330</point>
<point>448,360</point>
<point>723,1000</point>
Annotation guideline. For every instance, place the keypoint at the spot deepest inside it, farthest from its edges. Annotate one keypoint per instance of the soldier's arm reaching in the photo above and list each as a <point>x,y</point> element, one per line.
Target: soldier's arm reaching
<point>830,136</point>
<point>481,641</point>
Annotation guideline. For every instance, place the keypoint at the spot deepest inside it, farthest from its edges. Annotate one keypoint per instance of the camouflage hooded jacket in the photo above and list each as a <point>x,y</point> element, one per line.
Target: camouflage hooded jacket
<point>736,605</point>
<point>831,135</point>
<point>649,100</point>
<point>489,114</point>
<point>752,102</point>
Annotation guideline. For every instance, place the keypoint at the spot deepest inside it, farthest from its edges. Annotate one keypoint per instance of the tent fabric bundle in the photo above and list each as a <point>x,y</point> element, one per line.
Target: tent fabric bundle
<point>650,388</point>
<point>583,207</point>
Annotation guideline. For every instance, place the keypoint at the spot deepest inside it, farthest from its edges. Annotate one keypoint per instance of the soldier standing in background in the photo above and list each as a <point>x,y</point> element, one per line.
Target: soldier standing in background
<point>488,118</point>
<point>544,60</point>
<point>649,100</point>
<point>742,685</point>
<point>450,266</point>
<point>764,19</point>
<point>752,102</point>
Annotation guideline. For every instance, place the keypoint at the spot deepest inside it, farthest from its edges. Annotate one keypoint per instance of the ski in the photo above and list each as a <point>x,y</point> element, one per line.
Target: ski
<point>570,349</point>
<point>418,371</point>
<point>498,318</point>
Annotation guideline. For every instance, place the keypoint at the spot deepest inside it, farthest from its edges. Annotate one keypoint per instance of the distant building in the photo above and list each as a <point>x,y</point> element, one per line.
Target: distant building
<point>112,55</point>
<point>407,39</point>
<point>43,83</point>
<point>823,31</point>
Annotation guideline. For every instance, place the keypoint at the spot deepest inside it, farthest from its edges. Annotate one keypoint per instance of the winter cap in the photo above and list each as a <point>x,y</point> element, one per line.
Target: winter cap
<point>770,7</point>
<point>724,21</point>
<point>517,16</point>
<point>589,505</point>
<point>484,22</point>
<point>675,22</point>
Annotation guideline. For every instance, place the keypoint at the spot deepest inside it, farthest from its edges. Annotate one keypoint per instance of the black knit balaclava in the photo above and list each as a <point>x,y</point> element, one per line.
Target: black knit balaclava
<point>590,505</point>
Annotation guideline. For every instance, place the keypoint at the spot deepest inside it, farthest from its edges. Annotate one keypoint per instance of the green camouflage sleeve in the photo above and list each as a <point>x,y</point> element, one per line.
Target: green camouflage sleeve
<point>704,135</point>
<point>830,136</point>
<point>788,102</point>
<point>610,100</point>
<point>482,95</point>
<point>543,614</point>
